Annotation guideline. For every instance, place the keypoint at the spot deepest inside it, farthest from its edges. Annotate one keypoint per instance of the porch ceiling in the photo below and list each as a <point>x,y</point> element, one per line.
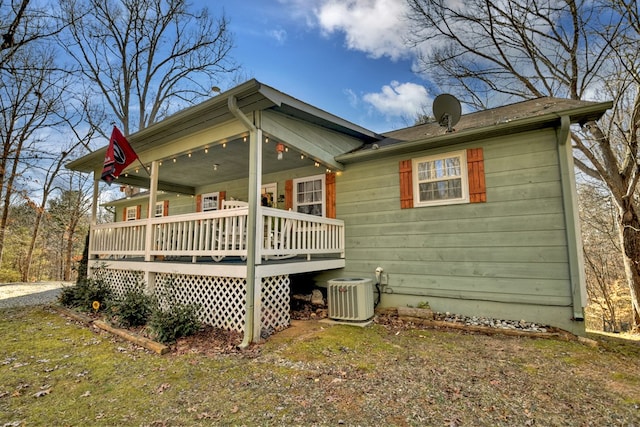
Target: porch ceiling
<point>217,163</point>
<point>303,128</point>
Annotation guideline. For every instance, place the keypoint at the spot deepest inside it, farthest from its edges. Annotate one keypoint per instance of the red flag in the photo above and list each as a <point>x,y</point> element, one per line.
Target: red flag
<point>119,155</point>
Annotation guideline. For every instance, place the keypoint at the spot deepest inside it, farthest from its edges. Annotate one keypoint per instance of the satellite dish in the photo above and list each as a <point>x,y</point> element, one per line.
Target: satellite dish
<point>447,110</point>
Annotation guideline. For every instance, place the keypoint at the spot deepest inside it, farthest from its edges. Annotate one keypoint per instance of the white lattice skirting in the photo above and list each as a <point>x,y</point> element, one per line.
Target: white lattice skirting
<point>221,301</point>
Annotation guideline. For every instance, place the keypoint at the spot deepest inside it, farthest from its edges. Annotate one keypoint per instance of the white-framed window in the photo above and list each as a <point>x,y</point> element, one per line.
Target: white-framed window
<point>159,209</point>
<point>309,195</point>
<point>210,201</point>
<point>440,179</point>
<point>131,213</point>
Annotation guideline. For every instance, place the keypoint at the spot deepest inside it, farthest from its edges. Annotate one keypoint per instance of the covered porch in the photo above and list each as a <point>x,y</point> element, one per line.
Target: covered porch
<point>234,261</point>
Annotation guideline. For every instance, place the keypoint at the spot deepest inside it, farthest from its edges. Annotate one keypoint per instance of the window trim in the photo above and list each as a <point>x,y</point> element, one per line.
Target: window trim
<point>204,196</point>
<point>160,204</point>
<point>323,200</point>
<point>464,175</point>
<point>129,217</point>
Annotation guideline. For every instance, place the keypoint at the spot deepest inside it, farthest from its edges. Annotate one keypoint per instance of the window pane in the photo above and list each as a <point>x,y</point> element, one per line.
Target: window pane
<point>309,196</point>
<point>441,190</point>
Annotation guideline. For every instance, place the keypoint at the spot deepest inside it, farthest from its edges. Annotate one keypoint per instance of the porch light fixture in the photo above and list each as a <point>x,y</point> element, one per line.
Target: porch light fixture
<point>280,150</point>
<point>215,166</point>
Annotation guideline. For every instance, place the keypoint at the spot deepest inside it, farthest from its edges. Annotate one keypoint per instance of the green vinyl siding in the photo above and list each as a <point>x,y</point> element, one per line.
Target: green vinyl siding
<point>513,248</point>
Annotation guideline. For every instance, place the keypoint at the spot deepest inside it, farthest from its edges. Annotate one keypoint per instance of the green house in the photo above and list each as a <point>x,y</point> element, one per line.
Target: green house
<point>253,187</point>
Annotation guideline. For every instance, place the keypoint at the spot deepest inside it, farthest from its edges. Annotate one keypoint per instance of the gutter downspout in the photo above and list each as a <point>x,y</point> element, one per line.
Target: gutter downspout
<point>255,173</point>
<point>572,221</point>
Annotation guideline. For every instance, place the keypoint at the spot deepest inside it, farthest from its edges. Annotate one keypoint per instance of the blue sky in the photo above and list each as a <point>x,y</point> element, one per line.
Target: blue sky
<point>344,56</point>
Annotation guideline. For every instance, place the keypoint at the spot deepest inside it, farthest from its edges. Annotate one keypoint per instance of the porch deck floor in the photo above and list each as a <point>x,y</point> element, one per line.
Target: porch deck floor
<point>232,266</point>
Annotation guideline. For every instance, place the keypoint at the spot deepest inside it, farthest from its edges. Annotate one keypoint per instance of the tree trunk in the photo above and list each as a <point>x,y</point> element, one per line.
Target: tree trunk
<point>68,253</point>
<point>32,245</point>
<point>630,241</point>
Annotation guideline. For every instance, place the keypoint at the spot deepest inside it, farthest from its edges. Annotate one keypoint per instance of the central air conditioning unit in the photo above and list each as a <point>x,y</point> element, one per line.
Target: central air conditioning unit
<point>350,299</point>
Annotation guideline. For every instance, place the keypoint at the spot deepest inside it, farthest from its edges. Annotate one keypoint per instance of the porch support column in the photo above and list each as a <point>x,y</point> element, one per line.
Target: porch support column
<point>94,202</point>
<point>153,196</point>
<point>94,216</point>
<point>253,254</point>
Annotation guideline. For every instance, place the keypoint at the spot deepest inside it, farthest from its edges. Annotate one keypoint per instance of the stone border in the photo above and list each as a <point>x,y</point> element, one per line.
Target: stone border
<point>425,317</point>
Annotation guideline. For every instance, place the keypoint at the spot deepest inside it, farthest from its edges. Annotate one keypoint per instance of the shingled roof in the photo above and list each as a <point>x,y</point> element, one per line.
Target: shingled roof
<point>495,116</point>
<point>519,117</point>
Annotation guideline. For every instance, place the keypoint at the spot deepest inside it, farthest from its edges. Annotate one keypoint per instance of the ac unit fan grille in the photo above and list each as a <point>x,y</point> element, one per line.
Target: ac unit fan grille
<point>350,299</point>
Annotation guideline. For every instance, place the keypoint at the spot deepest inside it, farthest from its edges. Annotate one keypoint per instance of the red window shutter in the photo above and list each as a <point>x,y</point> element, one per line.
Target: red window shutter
<point>406,184</point>
<point>138,211</point>
<point>475,171</point>
<point>199,203</point>
<point>330,190</point>
<point>165,208</point>
<point>222,195</point>
<point>288,194</point>
<point>124,214</point>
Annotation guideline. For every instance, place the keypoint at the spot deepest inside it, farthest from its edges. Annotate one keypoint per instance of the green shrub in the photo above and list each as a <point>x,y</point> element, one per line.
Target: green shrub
<point>179,320</point>
<point>84,293</point>
<point>132,310</point>
<point>170,319</point>
<point>9,276</point>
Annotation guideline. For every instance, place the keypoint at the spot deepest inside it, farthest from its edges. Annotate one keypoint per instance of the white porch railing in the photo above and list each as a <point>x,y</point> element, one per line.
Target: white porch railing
<point>218,234</point>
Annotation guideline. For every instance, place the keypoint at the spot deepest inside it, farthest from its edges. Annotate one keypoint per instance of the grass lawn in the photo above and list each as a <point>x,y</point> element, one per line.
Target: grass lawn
<point>56,372</point>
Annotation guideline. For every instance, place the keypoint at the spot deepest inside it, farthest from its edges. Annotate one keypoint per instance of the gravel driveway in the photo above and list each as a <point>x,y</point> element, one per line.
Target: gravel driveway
<point>23,294</point>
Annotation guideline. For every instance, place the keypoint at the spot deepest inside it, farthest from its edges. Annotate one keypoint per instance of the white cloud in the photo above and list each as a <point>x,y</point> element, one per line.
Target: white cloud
<point>376,27</point>
<point>278,34</point>
<point>399,99</point>
<point>372,26</point>
<point>352,97</point>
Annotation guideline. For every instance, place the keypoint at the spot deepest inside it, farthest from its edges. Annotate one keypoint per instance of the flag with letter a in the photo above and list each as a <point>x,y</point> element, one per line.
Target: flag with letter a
<point>119,155</point>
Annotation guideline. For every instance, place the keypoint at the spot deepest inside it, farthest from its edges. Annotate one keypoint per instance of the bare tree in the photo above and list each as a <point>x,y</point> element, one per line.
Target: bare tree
<point>146,58</point>
<point>490,52</point>
<point>608,297</point>
<point>22,25</point>
<point>31,94</point>
<point>69,215</point>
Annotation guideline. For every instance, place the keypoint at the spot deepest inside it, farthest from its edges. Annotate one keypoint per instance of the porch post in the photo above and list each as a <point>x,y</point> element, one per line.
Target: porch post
<point>255,177</point>
<point>94,216</point>
<point>94,202</point>
<point>253,282</point>
<point>153,195</point>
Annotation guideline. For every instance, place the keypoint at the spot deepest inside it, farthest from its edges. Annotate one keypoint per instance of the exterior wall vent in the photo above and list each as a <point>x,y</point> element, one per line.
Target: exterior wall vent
<point>350,299</point>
